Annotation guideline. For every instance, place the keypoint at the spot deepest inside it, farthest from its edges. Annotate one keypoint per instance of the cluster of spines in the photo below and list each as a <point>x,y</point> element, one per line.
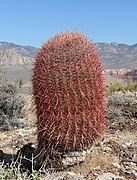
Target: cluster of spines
<point>68,90</point>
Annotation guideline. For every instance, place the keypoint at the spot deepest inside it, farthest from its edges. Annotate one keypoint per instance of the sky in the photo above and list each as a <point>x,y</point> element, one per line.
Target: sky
<point>33,22</point>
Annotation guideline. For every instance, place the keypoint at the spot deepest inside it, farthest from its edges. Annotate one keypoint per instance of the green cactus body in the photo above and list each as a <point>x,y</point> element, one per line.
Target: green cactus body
<point>68,91</point>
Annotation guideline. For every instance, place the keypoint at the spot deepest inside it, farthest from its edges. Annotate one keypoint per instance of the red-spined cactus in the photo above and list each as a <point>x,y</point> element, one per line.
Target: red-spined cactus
<point>68,91</point>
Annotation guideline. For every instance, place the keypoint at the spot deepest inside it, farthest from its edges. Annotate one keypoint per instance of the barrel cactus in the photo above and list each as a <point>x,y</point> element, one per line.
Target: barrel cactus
<point>68,91</point>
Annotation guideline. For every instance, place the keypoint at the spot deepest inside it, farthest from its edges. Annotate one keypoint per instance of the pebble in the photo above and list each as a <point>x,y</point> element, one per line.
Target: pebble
<point>116,165</point>
<point>73,176</point>
<point>109,176</point>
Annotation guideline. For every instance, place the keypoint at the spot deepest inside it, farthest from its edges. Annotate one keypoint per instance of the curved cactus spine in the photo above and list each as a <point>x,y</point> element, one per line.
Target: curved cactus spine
<point>68,91</point>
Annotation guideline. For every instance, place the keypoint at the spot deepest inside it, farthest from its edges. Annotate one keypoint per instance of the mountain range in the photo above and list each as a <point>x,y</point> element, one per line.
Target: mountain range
<point>112,55</point>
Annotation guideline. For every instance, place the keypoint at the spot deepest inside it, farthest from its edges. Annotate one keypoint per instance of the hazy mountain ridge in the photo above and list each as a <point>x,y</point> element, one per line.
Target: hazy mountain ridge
<point>12,54</point>
<point>116,55</point>
<point>112,55</point>
<point>23,50</point>
<point>10,57</point>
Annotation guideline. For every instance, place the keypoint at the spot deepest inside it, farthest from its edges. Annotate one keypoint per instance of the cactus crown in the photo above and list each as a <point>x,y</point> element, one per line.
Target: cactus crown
<point>68,91</point>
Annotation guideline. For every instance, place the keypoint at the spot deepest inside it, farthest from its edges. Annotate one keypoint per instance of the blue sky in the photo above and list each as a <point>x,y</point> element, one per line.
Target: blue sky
<point>32,22</point>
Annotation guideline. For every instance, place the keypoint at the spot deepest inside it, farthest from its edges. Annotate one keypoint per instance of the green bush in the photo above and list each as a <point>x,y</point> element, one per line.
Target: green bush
<point>119,87</point>
<point>116,100</point>
<point>115,87</point>
<point>120,98</point>
<point>10,106</point>
<point>131,87</point>
<point>114,113</point>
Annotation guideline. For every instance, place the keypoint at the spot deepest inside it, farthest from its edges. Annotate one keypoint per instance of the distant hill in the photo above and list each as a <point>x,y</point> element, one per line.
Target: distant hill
<point>113,55</point>
<point>23,50</point>
<point>116,56</point>
<point>12,54</point>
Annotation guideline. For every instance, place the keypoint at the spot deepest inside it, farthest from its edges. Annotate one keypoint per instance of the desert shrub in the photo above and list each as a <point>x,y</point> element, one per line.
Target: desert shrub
<point>19,83</point>
<point>121,98</point>
<point>2,75</point>
<point>119,87</point>
<point>131,87</point>
<point>10,106</point>
<point>115,87</point>
<point>13,172</point>
<point>114,113</point>
<point>116,100</point>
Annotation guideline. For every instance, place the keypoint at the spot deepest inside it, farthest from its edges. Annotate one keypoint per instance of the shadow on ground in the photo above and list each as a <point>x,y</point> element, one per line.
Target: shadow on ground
<point>23,158</point>
<point>27,160</point>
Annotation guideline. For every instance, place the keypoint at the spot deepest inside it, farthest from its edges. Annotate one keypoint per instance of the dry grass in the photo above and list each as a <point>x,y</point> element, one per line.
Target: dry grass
<point>97,160</point>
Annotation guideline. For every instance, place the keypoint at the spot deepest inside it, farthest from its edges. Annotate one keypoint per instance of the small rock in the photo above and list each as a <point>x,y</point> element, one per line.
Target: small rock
<point>97,168</point>
<point>116,165</point>
<point>106,149</point>
<point>57,178</point>
<point>73,176</point>
<point>109,176</point>
<point>134,172</point>
<point>129,143</point>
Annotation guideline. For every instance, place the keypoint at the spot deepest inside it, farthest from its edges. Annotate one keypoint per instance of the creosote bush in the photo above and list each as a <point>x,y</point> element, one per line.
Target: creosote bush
<point>119,87</point>
<point>117,100</point>
<point>120,98</point>
<point>10,106</point>
<point>115,87</point>
<point>68,90</point>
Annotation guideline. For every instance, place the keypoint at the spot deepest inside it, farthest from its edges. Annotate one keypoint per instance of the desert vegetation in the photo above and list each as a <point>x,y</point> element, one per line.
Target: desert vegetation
<point>11,105</point>
<point>130,86</point>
